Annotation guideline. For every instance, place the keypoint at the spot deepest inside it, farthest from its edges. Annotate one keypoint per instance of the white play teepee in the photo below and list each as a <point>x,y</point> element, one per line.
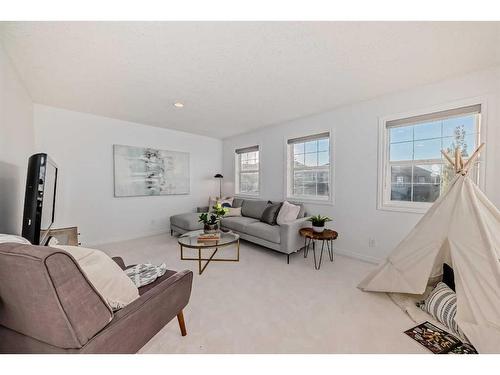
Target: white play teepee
<point>462,229</point>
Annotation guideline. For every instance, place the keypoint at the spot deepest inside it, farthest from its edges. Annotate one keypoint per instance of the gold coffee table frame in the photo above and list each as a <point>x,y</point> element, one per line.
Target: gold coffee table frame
<point>234,239</point>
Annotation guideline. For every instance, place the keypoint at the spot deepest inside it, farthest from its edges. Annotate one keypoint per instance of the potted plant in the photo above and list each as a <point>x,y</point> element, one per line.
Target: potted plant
<point>211,219</point>
<point>318,222</point>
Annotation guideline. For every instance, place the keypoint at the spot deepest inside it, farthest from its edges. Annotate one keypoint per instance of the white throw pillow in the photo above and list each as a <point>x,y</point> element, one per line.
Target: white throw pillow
<point>233,212</point>
<point>226,202</point>
<point>105,275</point>
<point>15,239</point>
<point>288,213</point>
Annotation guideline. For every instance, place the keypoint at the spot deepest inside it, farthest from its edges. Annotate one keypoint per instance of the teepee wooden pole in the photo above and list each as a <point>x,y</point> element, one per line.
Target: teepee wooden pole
<point>448,158</point>
<point>457,159</point>
<point>473,157</point>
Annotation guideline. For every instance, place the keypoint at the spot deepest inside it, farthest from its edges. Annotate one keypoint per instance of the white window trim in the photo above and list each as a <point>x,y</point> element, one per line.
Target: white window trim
<point>286,182</point>
<point>385,204</point>
<point>236,174</point>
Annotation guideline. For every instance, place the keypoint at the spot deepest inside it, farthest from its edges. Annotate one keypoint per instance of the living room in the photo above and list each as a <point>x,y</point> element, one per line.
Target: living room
<point>150,170</point>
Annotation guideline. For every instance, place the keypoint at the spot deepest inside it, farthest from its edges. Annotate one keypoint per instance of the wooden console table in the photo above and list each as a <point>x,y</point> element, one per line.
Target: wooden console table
<point>65,236</point>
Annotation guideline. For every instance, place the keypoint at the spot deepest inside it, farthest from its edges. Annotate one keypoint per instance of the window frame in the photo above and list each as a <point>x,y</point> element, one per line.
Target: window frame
<point>237,172</point>
<point>288,160</point>
<point>384,178</point>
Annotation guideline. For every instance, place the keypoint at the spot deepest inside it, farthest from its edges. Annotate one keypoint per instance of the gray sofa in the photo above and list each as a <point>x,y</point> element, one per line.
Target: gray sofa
<point>284,238</point>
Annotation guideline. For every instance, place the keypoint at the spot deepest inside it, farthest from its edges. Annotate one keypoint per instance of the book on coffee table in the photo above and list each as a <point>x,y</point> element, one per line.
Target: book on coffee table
<point>209,237</point>
<point>439,341</point>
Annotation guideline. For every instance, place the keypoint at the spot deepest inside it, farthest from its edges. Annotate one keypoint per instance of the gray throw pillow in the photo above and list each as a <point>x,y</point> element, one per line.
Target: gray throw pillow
<point>237,202</point>
<point>271,213</point>
<point>253,208</point>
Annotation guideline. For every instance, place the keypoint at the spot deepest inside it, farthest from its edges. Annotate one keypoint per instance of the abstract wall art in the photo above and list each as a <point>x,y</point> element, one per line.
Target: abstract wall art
<point>140,171</point>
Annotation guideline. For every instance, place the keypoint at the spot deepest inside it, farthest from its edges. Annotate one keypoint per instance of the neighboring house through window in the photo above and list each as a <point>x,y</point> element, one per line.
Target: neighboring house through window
<point>415,173</point>
<point>247,171</point>
<point>309,168</point>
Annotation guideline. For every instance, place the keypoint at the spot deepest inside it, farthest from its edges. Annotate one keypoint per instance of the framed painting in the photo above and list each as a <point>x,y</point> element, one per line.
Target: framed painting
<point>141,171</point>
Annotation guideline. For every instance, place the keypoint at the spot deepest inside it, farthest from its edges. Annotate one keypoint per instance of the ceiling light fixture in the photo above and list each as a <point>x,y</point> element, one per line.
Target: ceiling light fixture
<point>178,105</point>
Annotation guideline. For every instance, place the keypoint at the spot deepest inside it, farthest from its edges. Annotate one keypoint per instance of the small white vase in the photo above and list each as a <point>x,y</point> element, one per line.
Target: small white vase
<point>318,229</point>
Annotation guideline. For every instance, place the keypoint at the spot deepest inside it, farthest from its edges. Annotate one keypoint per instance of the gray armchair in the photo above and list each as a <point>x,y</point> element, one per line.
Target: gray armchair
<point>47,305</point>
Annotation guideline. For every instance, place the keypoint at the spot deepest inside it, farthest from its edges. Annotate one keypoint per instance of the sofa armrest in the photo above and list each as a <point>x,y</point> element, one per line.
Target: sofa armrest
<point>291,240</point>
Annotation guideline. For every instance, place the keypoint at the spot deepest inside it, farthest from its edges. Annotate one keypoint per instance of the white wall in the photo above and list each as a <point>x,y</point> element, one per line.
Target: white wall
<point>82,146</point>
<point>16,145</point>
<point>355,132</point>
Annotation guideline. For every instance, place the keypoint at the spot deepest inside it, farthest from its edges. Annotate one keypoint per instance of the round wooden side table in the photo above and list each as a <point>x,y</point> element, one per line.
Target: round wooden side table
<point>310,236</point>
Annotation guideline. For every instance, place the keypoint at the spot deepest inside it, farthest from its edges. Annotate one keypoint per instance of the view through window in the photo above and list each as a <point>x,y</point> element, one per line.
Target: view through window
<point>416,170</point>
<point>309,167</point>
<point>247,170</point>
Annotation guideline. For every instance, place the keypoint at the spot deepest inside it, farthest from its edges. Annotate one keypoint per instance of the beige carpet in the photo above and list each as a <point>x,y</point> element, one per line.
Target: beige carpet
<point>263,305</point>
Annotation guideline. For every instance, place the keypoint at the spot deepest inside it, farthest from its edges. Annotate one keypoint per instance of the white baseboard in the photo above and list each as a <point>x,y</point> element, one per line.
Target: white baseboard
<point>355,255</point>
<point>347,253</point>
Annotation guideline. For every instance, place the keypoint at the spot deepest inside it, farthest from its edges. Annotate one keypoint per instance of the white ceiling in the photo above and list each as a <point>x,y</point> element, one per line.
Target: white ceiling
<point>236,76</point>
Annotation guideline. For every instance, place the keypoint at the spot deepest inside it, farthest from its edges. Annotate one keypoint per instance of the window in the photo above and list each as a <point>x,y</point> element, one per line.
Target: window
<point>415,171</point>
<point>247,171</point>
<point>308,172</point>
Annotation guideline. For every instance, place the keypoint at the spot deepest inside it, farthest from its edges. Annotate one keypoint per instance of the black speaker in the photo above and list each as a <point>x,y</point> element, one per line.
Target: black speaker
<point>39,199</point>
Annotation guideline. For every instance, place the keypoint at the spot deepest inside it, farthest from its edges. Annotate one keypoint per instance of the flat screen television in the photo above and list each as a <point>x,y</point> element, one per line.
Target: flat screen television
<point>39,199</point>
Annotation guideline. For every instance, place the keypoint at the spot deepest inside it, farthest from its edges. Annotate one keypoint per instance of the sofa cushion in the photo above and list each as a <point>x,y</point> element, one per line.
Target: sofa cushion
<point>265,231</point>
<point>271,213</point>
<point>237,202</point>
<point>233,211</point>
<point>288,213</point>
<point>237,223</point>
<point>302,212</point>
<point>188,221</point>
<point>253,208</point>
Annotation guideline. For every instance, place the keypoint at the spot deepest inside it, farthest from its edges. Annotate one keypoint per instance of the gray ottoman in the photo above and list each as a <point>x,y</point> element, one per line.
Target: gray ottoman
<point>183,223</point>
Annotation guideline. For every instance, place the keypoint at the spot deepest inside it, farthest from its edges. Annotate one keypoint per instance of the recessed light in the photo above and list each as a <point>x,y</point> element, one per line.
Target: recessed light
<point>178,105</point>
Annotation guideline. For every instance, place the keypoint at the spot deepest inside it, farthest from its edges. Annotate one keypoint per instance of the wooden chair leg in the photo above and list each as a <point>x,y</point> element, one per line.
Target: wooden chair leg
<point>182,324</point>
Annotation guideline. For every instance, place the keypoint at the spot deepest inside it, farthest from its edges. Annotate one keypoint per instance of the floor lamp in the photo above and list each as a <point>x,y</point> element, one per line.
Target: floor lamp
<point>219,177</point>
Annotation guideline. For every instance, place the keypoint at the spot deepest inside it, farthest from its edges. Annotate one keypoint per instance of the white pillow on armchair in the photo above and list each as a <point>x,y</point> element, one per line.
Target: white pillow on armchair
<point>12,238</point>
<point>105,275</point>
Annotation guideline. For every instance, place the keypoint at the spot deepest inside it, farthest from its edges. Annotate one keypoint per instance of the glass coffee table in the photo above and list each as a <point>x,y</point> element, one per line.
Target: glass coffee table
<point>190,240</point>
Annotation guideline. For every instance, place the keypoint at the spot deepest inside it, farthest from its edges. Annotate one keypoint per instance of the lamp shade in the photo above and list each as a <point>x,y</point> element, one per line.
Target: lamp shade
<point>218,175</point>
